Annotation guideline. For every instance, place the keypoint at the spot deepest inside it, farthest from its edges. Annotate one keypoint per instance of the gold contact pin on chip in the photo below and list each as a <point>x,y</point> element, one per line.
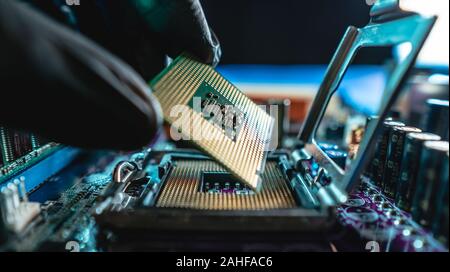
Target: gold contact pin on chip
<point>243,152</point>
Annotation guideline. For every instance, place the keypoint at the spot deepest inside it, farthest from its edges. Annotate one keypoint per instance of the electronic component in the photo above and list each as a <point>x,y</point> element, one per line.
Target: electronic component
<point>437,110</point>
<point>6,146</point>
<point>207,186</point>
<point>432,181</point>
<point>16,210</point>
<point>17,149</point>
<point>216,116</point>
<point>64,202</point>
<point>410,166</point>
<point>394,158</point>
<point>15,144</point>
<point>222,182</point>
<point>441,223</point>
<point>381,151</point>
<point>195,201</point>
<point>192,192</point>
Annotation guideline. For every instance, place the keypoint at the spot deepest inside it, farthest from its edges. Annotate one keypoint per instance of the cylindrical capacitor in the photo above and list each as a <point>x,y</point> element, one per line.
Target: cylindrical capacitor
<point>433,177</point>
<point>410,167</point>
<point>394,158</point>
<point>441,224</point>
<point>381,151</point>
<point>439,219</point>
<point>436,119</point>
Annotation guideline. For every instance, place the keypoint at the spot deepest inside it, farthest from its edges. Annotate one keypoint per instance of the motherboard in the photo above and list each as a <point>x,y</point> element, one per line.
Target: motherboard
<point>80,212</point>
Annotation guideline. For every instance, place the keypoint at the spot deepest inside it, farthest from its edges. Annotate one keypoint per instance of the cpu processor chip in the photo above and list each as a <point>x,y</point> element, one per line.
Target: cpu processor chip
<point>203,107</point>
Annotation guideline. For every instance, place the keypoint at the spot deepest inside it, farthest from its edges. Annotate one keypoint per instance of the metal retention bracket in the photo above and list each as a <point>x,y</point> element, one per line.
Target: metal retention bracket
<point>390,26</point>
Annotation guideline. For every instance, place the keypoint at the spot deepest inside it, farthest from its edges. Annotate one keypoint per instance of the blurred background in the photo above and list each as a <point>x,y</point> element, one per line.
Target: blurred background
<point>281,51</point>
<point>290,32</point>
<point>307,32</point>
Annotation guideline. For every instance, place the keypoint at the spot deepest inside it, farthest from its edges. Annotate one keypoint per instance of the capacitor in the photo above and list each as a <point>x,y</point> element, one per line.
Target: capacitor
<point>410,167</point>
<point>394,158</point>
<point>432,179</point>
<point>381,151</point>
<point>436,118</point>
<point>440,217</point>
<point>441,223</point>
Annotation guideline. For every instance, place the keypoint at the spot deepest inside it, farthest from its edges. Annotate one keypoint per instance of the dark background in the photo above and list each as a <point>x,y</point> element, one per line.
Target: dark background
<point>284,31</point>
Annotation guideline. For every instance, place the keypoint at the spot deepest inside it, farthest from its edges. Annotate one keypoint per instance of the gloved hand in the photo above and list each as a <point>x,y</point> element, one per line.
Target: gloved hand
<point>143,32</point>
<point>62,86</point>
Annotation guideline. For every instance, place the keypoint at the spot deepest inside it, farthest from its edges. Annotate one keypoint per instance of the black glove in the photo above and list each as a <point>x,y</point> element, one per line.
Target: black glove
<point>62,86</point>
<point>143,32</point>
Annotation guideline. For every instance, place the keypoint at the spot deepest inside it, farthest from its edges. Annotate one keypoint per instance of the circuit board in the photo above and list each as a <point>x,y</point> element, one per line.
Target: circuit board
<point>66,201</point>
<point>206,185</point>
<point>376,218</point>
<point>70,200</point>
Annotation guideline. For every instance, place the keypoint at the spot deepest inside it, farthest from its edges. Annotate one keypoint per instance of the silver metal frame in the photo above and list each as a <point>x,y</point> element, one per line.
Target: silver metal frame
<point>389,26</point>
